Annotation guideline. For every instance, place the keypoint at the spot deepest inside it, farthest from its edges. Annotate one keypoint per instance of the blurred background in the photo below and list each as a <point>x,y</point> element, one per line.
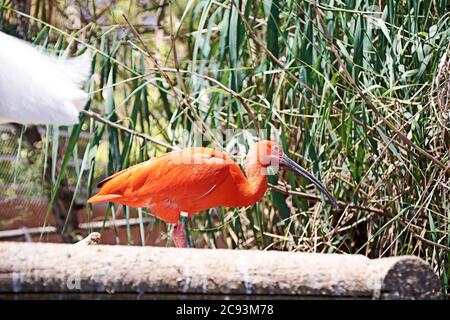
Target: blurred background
<point>357,92</point>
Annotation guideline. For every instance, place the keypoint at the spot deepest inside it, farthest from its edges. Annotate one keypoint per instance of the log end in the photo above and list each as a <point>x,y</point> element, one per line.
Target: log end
<point>408,277</point>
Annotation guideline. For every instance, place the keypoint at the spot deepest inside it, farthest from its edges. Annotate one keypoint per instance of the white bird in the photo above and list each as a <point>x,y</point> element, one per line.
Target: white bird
<point>37,88</point>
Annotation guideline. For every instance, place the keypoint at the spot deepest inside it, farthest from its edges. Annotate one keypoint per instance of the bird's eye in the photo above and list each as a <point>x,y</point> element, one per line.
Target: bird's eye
<point>276,150</point>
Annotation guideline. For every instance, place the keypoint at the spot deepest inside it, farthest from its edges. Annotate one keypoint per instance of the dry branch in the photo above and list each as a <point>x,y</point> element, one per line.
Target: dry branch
<point>92,239</point>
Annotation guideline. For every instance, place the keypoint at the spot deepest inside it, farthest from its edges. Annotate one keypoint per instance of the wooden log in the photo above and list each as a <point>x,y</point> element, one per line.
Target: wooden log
<point>63,268</point>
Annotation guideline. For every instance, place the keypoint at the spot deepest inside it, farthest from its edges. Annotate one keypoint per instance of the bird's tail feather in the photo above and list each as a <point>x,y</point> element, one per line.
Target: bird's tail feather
<point>77,69</point>
<point>103,198</point>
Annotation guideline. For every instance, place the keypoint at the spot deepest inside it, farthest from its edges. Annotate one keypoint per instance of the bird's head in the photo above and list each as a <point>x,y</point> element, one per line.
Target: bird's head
<point>270,154</point>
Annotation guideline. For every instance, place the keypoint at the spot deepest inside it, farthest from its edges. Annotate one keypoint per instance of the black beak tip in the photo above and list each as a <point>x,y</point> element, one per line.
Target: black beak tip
<point>337,207</point>
<point>288,163</point>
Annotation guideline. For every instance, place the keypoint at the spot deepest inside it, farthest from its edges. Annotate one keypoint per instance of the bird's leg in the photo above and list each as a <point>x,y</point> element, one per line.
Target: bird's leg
<point>178,234</point>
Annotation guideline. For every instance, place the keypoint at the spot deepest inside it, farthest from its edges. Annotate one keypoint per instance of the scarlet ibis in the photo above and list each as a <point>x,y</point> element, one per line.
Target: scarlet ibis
<point>37,88</point>
<point>181,183</point>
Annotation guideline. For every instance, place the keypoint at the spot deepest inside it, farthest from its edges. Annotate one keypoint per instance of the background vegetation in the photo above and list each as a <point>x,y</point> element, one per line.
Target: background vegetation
<point>358,91</point>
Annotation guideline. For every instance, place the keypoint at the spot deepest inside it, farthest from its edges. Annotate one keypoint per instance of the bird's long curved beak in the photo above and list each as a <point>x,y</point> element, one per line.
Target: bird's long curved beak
<point>289,164</point>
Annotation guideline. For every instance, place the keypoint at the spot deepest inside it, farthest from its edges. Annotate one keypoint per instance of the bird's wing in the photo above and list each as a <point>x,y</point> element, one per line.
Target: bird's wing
<point>124,171</point>
<point>188,173</point>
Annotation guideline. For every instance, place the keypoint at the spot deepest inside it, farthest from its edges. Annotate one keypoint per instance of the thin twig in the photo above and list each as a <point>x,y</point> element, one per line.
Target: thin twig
<point>429,242</point>
<point>99,118</point>
<point>314,198</point>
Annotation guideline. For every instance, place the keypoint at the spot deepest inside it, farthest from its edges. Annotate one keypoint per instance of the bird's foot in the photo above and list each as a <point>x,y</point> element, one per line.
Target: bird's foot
<point>178,233</point>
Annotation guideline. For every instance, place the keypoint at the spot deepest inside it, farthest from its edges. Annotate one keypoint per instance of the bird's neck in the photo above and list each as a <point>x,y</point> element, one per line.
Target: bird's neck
<point>255,184</point>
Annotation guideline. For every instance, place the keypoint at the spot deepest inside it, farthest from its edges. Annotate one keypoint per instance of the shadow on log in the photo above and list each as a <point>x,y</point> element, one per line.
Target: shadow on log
<point>84,270</point>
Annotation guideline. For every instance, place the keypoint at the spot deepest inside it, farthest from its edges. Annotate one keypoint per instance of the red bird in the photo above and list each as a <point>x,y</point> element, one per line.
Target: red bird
<point>181,183</point>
